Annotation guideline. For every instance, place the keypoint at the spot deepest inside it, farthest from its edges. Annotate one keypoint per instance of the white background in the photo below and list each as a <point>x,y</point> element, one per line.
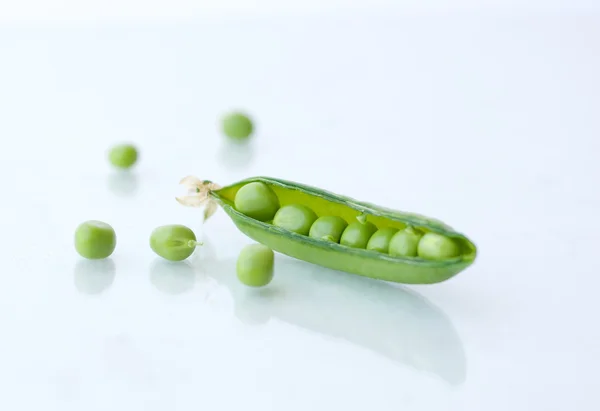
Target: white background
<point>487,120</point>
<point>86,11</point>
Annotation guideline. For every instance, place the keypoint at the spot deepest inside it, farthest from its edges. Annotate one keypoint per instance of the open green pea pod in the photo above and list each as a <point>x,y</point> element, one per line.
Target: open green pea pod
<point>368,263</point>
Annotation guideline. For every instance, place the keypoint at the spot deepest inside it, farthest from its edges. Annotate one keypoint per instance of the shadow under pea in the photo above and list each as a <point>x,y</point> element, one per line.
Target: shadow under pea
<point>94,276</point>
<point>385,318</point>
<point>172,277</point>
<point>123,183</point>
<point>235,154</point>
<point>179,277</point>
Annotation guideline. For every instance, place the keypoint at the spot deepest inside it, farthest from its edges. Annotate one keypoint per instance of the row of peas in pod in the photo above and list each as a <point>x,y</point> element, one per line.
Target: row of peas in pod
<point>258,201</point>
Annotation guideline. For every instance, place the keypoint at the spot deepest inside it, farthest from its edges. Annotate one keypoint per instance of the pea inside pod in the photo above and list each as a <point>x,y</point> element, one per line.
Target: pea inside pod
<point>380,241</point>
<point>357,234</point>
<point>328,228</point>
<point>299,205</point>
<point>295,217</point>
<point>405,243</point>
<point>435,246</point>
<point>257,200</point>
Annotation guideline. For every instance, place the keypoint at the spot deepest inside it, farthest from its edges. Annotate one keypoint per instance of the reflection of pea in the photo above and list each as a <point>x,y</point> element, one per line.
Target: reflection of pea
<point>172,277</point>
<point>254,306</point>
<point>94,276</point>
<point>235,154</point>
<point>123,183</point>
<point>251,313</point>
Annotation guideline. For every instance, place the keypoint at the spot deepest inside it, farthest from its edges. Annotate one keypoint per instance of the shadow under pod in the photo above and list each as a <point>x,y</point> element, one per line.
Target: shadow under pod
<point>385,318</point>
<point>94,276</point>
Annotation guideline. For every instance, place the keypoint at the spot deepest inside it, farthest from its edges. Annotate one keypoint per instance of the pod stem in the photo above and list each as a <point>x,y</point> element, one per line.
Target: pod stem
<point>193,243</point>
<point>198,195</point>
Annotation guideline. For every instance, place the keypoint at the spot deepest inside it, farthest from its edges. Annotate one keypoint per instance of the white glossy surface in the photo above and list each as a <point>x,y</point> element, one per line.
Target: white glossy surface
<point>490,124</point>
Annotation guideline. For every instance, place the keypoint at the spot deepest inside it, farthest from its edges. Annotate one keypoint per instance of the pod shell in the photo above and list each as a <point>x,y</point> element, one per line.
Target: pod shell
<point>406,270</point>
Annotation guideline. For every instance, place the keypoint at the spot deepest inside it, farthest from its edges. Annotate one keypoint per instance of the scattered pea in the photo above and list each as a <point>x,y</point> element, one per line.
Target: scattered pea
<point>95,239</point>
<point>380,241</point>
<point>257,200</point>
<point>405,243</point>
<point>237,125</point>
<point>435,246</point>
<point>295,217</point>
<point>328,228</point>
<point>123,155</point>
<point>357,234</point>
<point>255,265</point>
<point>173,242</point>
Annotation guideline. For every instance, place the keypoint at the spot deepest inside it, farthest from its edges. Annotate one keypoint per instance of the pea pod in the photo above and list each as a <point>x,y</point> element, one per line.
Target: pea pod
<point>368,263</point>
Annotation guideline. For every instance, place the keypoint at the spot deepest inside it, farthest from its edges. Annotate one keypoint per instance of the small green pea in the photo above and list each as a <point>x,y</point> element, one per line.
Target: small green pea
<point>434,246</point>
<point>328,228</point>
<point>123,155</point>
<point>405,243</point>
<point>173,242</point>
<point>257,200</point>
<point>237,125</point>
<point>95,240</point>
<point>255,265</point>
<point>295,217</point>
<point>357,234</point>
<point>380,241</point>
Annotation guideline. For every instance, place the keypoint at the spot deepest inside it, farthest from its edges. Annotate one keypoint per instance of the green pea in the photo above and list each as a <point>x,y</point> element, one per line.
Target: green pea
<point>95,239</point>
<point>237,125</point>
<point>173,242</point>
<point>380,241</point>
<point>295,217</point>
<point>404,243</point>
<point>257,200</point>
<point>357,234</point>
<point>123,155</point>
<point>328,228</point>
<point>255,265</point>
<point>434,246</point>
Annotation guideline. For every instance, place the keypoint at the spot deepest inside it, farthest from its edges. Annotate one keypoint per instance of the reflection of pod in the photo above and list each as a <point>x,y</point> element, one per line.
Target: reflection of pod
<point>392,321</point>
<point>368,263</point>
